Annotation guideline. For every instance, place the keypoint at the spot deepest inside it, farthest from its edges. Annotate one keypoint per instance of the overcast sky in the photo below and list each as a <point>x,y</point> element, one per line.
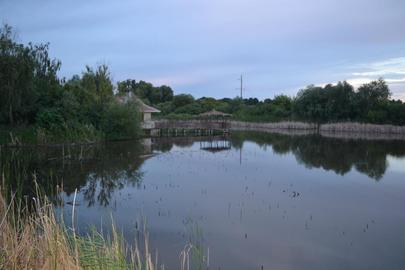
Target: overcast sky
<point>202,46</point>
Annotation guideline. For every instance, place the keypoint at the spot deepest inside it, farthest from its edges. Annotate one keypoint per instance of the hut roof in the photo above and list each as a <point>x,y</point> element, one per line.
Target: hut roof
<point>142,106</point>
<point>215,113</point>
<point>145,108</point>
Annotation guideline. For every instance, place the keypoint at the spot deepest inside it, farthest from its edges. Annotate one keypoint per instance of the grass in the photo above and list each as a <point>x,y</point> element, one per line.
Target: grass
<point>17,135</point>
<point>32,238</point>
<point>32,135</point>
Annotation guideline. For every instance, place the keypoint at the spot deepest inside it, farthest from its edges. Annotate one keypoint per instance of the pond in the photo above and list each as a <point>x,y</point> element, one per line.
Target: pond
<point>249,200</point>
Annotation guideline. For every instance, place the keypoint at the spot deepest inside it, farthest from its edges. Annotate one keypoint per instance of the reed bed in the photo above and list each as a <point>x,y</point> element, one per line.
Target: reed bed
<point>337,128</point>
<point>343,127</point>
<point>32,238</point>
<point>349,127</point>
<point>286,125</point>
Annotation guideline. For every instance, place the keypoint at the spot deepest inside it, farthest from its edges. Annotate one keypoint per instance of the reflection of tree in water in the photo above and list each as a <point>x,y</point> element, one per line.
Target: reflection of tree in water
<point>96,170</point>
<point>339,155</point>
<point>119,167</point>
<point>19,167</point>
<point>101,187</point>
<point>165,144</point>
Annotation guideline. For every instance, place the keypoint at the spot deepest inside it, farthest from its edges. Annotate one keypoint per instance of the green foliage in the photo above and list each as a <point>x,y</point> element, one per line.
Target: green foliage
<point>82,109</point>
<point>69,132</point>
<point>98,83</point>
<point>191,108</point>
<point>396,112</point>
<point>27,79</point>
<point>121,121</point>
<point>331,103</point>
<point>182,100</point>
<point>21,133</point>
<point>179,116</point>
<point>370,99</point>
<point>311,104</point>
<point>146,91</point>
<point>50,119</point>
<point>340,102</point>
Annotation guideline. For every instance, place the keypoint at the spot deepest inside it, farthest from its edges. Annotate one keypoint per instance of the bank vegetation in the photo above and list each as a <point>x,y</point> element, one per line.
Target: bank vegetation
<point>39,107</point>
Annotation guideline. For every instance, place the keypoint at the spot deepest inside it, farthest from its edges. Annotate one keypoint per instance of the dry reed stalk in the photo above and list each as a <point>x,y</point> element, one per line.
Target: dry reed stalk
<point>185,257</point>
<point>33,239</point>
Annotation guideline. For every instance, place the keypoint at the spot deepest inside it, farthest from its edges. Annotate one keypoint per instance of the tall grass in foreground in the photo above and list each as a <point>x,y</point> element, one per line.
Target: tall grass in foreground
<point>31,238</point>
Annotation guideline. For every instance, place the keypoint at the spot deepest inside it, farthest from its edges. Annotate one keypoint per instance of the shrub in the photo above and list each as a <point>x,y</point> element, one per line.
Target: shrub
<point>50,119</point>
<point>121,121</point>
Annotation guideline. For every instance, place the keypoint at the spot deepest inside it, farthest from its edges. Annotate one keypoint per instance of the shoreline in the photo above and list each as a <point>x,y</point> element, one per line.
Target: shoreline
<point>343,130</point>
<point>341,127</point>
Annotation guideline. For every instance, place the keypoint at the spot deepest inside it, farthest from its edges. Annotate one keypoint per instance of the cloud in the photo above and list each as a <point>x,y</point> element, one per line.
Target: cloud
<point>401,80</point>
<point>179,80</point>
<point>392,70</point>
<point>201,46</point>
<point>390,67</point>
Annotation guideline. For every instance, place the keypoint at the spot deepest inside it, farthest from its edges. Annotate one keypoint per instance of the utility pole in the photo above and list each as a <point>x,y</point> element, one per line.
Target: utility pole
<point>241,86</point>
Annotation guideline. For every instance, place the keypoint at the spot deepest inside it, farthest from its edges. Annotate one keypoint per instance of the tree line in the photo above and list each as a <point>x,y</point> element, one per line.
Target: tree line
<point>370,103</point>
<point>86,107</point>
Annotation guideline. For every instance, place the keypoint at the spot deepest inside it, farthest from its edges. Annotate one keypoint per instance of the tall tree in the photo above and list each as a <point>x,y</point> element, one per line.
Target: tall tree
<point>28,78</point>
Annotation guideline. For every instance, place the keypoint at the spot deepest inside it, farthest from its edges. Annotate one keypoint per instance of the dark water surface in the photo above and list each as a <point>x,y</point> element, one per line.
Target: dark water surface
<point>253,200</point>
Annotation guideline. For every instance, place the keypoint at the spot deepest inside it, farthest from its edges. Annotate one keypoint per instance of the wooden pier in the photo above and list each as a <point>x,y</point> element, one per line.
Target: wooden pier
<point>201,127</point>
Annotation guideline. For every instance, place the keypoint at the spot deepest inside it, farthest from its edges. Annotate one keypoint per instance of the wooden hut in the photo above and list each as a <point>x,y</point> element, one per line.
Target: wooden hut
<point>145,110</point>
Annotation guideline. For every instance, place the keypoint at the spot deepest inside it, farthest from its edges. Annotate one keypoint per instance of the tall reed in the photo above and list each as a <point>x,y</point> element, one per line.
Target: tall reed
<point>32,238</point>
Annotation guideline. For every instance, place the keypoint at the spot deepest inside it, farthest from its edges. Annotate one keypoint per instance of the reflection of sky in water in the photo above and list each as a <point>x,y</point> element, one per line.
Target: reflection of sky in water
<point>258,207</point>
<point>396,164</point>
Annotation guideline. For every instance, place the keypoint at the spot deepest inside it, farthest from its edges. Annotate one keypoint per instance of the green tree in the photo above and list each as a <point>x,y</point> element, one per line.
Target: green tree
<point>371,100</point>
<point>282,106</point>
<point>98,82</point>
<point>120,121</point>
<point>146,91</point>
<point>182,100</point>
<point>28,78</point>
<point>339,104</point>
<point>310,104</point>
